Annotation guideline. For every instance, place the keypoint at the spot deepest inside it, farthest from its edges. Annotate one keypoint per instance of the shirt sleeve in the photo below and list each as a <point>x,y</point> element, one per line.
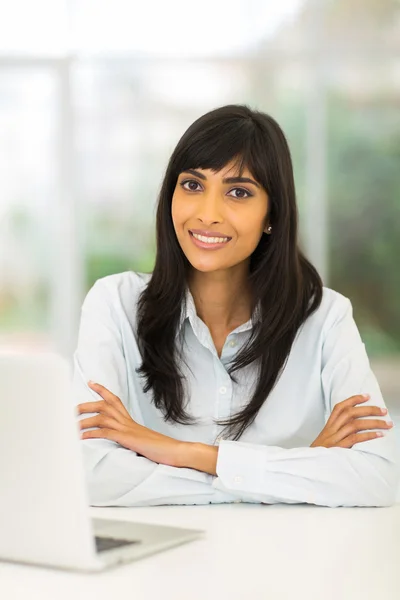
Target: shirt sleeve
<point>117,476</point>
<point>365,475</point>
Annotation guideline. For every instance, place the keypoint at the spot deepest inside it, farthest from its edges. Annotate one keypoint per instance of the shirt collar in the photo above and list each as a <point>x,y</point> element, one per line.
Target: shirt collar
<point>189,312</point>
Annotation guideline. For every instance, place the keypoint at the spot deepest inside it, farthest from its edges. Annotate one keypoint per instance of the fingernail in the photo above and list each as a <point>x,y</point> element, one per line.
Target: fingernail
<point>384,411</point>
<point>92,382</point>
<point>366,396</point>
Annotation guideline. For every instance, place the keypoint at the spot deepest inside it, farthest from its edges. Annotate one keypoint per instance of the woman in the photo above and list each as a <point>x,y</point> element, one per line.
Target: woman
<point>229,373</point>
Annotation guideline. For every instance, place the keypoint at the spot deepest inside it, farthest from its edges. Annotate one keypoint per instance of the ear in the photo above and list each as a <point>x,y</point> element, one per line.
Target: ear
<point>266,225</point>
<point>268,230</point>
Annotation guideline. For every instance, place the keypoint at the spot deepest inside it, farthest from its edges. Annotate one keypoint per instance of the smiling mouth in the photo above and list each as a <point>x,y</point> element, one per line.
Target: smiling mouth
<point>209,243</point>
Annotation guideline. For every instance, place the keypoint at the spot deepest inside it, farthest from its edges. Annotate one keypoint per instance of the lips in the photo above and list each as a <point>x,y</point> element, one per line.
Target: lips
<point>208,245</point>
<point>208,233</point>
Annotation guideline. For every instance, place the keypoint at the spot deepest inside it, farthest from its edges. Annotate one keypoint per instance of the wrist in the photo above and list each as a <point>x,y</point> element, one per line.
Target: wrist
<point>201,457</point>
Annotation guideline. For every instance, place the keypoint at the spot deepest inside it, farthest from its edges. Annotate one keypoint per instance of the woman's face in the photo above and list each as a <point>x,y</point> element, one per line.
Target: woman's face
<point>220,205</point>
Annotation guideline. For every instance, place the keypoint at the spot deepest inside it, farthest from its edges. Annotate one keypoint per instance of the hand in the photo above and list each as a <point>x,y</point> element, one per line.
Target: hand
<point>114,423</point>
<point>342,425</point>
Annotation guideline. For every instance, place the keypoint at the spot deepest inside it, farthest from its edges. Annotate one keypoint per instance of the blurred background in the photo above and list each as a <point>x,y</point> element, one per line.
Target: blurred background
<point>95,94</point>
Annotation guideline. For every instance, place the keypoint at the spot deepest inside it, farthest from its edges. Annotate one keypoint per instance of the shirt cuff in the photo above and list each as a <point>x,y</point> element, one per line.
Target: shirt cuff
<point>241,466</point>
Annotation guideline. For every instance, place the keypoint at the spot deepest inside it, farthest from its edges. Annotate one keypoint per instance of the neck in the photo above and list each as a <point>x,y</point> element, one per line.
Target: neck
<point>222,298</point>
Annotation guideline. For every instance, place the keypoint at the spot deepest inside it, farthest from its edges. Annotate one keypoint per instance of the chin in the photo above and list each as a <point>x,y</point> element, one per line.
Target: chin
<point>209,266</point>
<point>208,263</point>
<point>208,270</point>
<point>204,268</point>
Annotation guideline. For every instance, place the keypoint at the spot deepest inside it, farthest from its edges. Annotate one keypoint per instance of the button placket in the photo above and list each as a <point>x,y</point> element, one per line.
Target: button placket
<point>223,400</point>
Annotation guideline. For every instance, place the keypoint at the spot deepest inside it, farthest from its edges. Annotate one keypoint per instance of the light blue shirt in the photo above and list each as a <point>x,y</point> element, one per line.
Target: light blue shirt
<point>272,462</point>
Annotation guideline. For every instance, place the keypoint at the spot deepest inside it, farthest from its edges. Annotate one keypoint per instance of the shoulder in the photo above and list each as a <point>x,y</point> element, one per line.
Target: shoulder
<point>334,303</point>
<point>118,289</point>
<point>333,309</point>
<point>124,283</point>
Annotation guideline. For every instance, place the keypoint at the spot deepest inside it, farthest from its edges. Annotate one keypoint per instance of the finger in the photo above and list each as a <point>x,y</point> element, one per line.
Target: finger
<point>341,407</point>
<point>363,425</point>
<point>101,421</point>
<point>102,407</point>
<point>356,438</point>
<point>364,411</point>
<point>108,434</point>
<point>89,407</point>
<point>101,390</point>
<point>108,396</point>
<point>352,416</point>
<point>372,423</point>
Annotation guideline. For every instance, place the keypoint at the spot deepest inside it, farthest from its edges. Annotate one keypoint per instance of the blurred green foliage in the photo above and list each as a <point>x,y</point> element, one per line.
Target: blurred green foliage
<point>101,264</point>
<point>364,219</point>
<point>117,243</point>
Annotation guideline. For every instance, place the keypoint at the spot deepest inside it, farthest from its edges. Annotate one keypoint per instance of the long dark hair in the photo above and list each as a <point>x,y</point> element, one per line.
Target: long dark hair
<point>284,283</point>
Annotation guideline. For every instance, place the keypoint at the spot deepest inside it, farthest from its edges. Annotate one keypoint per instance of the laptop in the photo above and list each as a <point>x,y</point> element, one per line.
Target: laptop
<point>44,507</point>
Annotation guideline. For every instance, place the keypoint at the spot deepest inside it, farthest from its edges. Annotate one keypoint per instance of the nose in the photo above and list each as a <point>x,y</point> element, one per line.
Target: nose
<point>210,208</point>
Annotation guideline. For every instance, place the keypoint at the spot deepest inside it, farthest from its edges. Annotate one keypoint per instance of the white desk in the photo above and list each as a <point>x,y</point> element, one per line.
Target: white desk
<point>250,552</point>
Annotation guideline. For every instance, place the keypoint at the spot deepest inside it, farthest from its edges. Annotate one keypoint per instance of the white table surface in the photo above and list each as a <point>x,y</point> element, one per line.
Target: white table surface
<point>249,552</point>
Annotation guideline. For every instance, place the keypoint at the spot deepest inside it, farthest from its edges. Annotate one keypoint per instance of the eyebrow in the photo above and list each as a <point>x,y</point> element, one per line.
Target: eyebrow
<point>226,180</point>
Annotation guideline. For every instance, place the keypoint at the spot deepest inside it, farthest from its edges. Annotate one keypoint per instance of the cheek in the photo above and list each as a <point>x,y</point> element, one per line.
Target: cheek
<point>249,232</point>
<point>173,207</point>
<point>175,215</point>
<point>178,212</point>
<point>248,225</point>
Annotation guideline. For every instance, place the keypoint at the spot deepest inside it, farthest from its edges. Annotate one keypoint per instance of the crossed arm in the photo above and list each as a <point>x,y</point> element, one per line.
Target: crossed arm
<point>129,465</point>
<point>113,422</point>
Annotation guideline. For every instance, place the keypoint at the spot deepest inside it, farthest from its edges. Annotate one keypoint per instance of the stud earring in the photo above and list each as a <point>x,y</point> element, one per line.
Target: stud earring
<point>269,230</point>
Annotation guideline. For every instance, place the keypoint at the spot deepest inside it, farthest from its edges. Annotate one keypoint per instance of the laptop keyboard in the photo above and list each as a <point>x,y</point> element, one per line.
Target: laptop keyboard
<point>107,543</point>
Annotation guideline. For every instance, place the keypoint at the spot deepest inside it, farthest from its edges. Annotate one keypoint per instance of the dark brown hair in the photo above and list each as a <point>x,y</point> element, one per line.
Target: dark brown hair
<point>284,283</point>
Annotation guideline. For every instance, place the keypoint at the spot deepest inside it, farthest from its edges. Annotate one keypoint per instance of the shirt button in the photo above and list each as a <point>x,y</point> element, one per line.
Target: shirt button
<point>237,479</point>
<point>222,389</point>
<point>232,343</point>
<point>219,438</point>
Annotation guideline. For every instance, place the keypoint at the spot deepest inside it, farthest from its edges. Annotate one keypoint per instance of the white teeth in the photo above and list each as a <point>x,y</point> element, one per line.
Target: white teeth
<point>209,240</point>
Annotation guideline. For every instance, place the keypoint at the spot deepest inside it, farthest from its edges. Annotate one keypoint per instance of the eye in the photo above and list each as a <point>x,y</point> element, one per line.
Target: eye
<point>241,192</point>
<point>192,185</point>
